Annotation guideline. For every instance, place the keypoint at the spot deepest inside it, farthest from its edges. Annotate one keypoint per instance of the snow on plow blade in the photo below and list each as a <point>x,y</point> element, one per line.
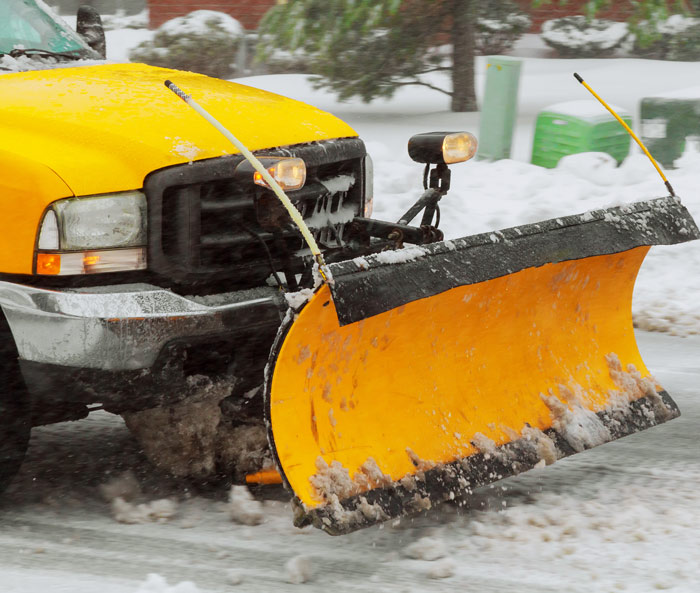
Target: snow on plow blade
<point>424,373</point>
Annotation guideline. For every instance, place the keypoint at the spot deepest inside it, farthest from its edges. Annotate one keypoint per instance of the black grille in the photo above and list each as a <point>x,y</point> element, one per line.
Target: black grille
<point>204,224</point>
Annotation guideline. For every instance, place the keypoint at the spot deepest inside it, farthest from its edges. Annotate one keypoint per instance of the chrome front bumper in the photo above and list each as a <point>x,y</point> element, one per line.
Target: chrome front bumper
<point>125,327</point>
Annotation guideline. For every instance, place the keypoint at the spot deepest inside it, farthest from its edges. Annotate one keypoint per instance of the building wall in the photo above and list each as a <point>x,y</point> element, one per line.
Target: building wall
<point>247,12</point>
<point>70,7</point>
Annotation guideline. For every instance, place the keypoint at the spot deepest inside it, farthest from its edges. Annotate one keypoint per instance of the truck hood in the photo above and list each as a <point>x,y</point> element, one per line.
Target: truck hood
<point>103,128</point>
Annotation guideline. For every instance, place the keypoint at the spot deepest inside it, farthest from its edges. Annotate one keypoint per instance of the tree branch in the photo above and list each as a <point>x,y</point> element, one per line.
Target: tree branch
<point>421,83</point>
<point>436,69</point>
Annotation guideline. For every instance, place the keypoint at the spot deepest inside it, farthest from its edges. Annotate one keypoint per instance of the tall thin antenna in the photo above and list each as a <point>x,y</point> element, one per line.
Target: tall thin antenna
<point>630,132</point>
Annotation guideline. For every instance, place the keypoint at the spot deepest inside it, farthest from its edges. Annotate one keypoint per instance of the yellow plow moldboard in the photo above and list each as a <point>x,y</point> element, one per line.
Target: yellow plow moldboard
<point>424,373</point>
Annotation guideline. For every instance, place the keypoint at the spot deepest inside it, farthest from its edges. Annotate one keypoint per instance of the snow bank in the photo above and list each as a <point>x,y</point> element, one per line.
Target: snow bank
<point>494,195</point>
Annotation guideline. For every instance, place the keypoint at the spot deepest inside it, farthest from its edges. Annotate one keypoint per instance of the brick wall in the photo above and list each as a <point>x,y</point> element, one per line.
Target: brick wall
<point>618,11</point>
<point>248,12</point>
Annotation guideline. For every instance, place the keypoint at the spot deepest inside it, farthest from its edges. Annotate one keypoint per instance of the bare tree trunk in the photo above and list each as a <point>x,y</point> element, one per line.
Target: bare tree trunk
<point>464,93</point>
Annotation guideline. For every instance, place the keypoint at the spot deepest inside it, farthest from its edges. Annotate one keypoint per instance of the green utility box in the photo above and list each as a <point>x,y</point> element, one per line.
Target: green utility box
<point>579,126</point>
<point>499,107</point>
<point>667,120</point>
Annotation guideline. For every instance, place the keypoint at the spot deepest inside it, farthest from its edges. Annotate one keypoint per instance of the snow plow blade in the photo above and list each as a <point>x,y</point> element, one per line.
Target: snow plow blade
<point>424,373</point>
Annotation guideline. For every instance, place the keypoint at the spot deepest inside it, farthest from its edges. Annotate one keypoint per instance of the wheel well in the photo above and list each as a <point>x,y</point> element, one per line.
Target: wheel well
<point>8,348</point>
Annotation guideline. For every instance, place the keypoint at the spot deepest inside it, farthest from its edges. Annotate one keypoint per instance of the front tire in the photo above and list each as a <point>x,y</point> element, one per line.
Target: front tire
<point>15,414</point>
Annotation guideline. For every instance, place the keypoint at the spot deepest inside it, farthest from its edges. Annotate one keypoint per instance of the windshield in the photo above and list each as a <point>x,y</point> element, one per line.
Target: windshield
<point>28,24</point>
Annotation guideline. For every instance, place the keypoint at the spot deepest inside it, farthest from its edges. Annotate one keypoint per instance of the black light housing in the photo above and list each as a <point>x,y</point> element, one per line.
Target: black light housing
<point>442,148</point>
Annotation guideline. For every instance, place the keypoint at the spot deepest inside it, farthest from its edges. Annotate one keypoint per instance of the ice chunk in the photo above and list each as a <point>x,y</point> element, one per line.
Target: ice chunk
<point>159,510</point>
<point>124,486</point>
<point>155,583</point>
<point>234,577</point>
<point>243,508</point>
<point>426,548</point>
<point>442,569</point>
<point>298,570</point>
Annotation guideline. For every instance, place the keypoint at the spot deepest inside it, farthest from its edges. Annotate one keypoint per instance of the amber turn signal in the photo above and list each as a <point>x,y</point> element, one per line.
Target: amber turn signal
<point>90,262</point>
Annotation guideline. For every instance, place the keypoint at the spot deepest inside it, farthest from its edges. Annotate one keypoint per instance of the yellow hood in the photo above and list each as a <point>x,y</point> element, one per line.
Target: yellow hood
<point>103,128</point>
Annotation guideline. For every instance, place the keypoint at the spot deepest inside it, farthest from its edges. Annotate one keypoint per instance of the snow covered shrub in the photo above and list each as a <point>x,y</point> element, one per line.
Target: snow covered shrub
<point>279,61</point>
<point>676,38</point>
<point>121,20</point>
<point>580,37</point>
<point>203,41</point>
<point>499,25</point>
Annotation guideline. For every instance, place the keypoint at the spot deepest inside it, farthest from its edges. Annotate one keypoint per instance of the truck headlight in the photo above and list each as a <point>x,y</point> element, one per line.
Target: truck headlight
<point>117,220</point>
<point>93,234</point>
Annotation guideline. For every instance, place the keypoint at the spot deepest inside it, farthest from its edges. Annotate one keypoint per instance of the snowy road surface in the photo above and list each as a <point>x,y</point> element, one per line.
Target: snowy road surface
<point>622,517</point>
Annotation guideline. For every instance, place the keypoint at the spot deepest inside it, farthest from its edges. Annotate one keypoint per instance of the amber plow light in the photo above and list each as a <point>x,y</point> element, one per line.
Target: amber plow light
<point>406,384</point>
<point>444,148</point>
<point>457,148</point>
<point>90,262</point>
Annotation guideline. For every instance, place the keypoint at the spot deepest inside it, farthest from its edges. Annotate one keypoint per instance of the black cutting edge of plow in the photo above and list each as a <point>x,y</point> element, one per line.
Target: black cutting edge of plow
<point>453,480</point>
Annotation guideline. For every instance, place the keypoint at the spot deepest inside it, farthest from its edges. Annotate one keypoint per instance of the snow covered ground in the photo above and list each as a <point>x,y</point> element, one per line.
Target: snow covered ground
<point>623,517</point>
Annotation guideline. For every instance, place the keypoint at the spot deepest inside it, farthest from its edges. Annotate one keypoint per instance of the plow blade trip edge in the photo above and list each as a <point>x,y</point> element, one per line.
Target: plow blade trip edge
<point>416,381</point>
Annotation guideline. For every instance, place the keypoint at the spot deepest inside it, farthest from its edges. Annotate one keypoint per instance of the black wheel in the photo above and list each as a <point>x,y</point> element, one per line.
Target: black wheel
<point>15,414</point>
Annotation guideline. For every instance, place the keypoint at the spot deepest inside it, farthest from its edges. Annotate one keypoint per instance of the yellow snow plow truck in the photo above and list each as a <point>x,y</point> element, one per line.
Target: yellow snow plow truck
<point>151,267</point>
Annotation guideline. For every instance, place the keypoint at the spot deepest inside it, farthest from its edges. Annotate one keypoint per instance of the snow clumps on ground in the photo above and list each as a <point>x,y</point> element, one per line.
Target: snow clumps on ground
<point>426,548</point>
<point>120,490</point>
<point>125,486</point>
<point>159,510</point>
<point>157,584</point>
<point>433,550</point>
<point>243,508</point>
<point>298,570</point>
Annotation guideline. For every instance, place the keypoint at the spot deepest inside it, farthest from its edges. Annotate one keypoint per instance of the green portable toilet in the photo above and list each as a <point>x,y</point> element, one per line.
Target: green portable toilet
<point>667,120</point>
<point>500,107</point>
<point>579,126</point>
